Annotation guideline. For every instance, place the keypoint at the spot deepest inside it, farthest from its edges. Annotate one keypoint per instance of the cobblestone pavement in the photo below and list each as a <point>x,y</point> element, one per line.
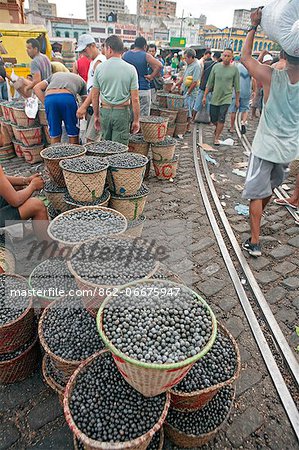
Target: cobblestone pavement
<point>176,219</point>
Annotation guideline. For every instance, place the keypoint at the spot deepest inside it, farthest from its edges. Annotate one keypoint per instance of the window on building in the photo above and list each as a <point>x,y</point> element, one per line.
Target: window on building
<point>269,47</point>
<point>236,45</point>
<point>98,30</point>
<point>265,46</point>
<point>261,46</point>
<point>117,31</point>
<point>130,32</point>
<point>66,34</point>
<point>76,35</point>
<point>255,46</point>
<point>240,45</point>
<point>57,33</point>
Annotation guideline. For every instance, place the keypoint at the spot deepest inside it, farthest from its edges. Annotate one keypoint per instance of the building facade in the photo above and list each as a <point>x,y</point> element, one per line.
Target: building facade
<point>98,10</point>
<point>65,27</point>
<point>12,11</point>
<point>242,18</point>
<point>160,8</point>
<point>233,38</point>
<point>45,8</point>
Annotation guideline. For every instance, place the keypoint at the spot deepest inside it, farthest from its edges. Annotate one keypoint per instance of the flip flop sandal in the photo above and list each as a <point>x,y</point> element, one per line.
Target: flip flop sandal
<point>284,202</point>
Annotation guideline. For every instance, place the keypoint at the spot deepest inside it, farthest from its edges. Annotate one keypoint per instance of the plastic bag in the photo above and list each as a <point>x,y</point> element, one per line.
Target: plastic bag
<point>280,21</point>
<point>202,116</point>
<point>31,107</point>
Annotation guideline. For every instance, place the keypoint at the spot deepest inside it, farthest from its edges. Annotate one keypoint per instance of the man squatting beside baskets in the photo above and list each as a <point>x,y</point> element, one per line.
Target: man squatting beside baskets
<point>116,82</point>
<point>276,142</point>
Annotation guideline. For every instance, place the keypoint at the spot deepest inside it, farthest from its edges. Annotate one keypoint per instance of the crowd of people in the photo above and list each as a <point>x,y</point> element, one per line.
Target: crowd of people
<point>116,86</point>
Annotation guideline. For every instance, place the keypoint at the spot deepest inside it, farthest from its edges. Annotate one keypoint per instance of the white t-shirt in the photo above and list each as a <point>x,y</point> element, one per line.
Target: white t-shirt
<point>91,71</point>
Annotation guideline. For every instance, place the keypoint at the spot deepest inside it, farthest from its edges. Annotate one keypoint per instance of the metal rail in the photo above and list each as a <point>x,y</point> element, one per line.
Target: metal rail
<point>279,383</point>
<point>279,192</point>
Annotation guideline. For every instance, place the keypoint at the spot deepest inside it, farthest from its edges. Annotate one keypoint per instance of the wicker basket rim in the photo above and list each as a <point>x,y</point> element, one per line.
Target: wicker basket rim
<point>10,361</point>
<point>169,111</point>
<point>104,167</point>
<point>121,148</point>
<point>64,191</point>
<point>61,158</point>
<point>50,381</point>
<point>70,201</point>
<point>218,386</point>
<point>30,303</point>
<point>104,286</point>
<point>210,434</point>
<point>131,197</point>
<point>82,208</point>
<point>6,122</point>
<point>17,127</point>
<point>171,366</point>
<point>141,164</point>
<point>163,163</point>
<point>44,342</point>
<point>162,144</point>
<point>6,147</point>
<point>156,122</point>
<point>30,147</point>
<point>98,444</point>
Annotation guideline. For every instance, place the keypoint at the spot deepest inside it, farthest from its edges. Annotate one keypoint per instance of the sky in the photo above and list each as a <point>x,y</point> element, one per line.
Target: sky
<point>218,12</point>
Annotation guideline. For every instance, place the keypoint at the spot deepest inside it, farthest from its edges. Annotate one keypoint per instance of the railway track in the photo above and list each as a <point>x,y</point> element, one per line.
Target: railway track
<point>274,348</point>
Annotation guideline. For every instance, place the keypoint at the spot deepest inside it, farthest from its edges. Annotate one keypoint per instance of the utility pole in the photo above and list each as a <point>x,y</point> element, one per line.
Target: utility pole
<point>182,20</point>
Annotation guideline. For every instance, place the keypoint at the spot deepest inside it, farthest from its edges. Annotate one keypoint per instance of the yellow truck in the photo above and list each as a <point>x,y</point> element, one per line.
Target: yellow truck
<point>13,45</point>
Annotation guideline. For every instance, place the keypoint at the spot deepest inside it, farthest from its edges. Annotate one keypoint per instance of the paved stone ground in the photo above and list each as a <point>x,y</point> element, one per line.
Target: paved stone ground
<point>176,219</point>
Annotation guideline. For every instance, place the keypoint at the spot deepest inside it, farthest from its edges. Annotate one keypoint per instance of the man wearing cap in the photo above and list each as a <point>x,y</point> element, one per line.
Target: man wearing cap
<point>276,142</point>
<point>87,46</point>
<point>116,82</point>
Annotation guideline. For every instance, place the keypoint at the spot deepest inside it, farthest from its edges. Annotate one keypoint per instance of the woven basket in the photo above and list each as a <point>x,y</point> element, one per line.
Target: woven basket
<point>98,148</point>
<point>6,111</point>
<point>152,379</point>
<point>162,99</point>
<point>135,228</point>
<point>85,187</point>
<point>141,148</point>
<point>42,117</point>
<point>57,388</point>
<point>7,152</point>
<point>32,154</point>
<point>172,115</point>
<point>93,303</point>
<point>16,333</point>
<point>21,119</point>
<point>7,260</point>
<point>184,440</point>
<point>175,102</point>
<point>57,200</point>
<point>28,136</point>
<point>7,131</point>
<point>294,168</point>
<point>82,208</point>
<point>198,399</point>
<point>147,170</point>
<point>131,207</point>
<point>140,443</point>
<point>163,153</point>
<point>182,115</point>
<point>66,367</point>
<point>124,181</point>
<point>155,110</point>
<point>154,132</point>
<point>17,146</point>
<point>53,168</point>
<point>11,116</point>
<point>167,87</point>
<point>46,134</point>
<point>180,128</point>
<point>170,130</point>
<point>166,170</point>
<point>22,366</point>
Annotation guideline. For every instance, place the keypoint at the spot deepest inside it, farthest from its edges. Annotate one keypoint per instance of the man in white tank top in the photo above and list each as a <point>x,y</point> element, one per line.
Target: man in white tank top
<point>87,46</point>
<point>276,142</point>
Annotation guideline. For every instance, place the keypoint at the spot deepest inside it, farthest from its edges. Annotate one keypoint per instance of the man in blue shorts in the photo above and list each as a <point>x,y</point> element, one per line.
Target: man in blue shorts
<point>245,93</point>
<point>59,94</point>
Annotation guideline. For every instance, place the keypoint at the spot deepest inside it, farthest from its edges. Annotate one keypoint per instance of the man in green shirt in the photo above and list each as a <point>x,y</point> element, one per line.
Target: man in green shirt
<point>223,79</point>
<point>116,85</point>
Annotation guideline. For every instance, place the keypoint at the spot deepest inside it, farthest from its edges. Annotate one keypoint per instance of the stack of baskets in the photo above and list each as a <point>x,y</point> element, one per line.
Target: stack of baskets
<point>128,195</point>
<point>154,135</point>
<point>19,345</point>
<point>177,113</point>
<point>23,137</point>
<point>68,54</point>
